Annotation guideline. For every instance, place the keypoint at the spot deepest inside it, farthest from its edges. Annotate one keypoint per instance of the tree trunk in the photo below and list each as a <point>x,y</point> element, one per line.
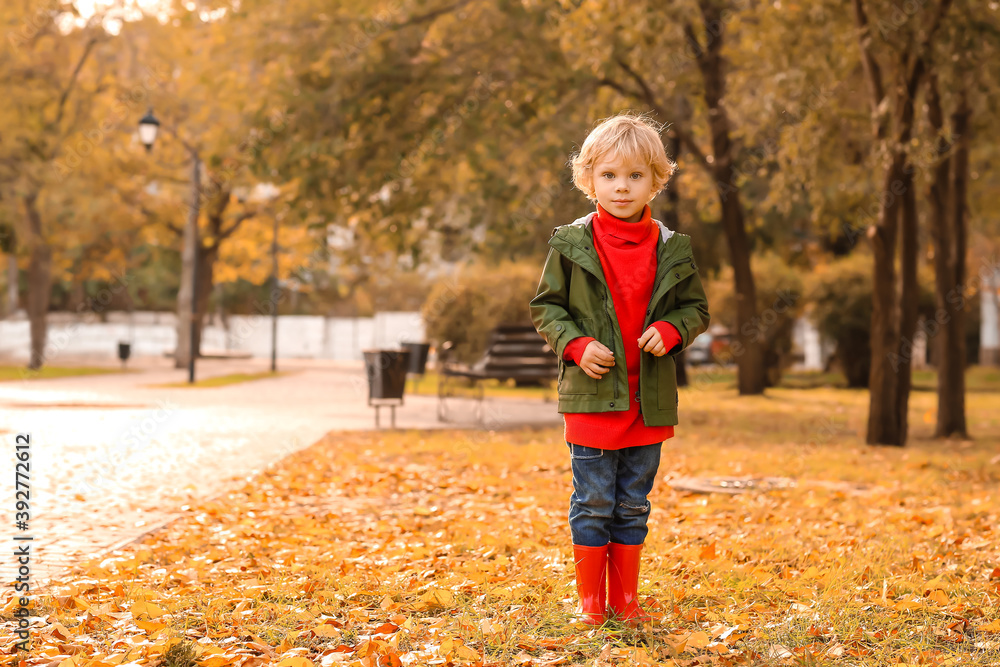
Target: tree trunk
<point>12,284</point>
<point>747,348</point>
<point>672,219</point>
<point>182,355</point>
<point>947,193</point>
<point>206,274</point>
<point>890,371</point>
<point>883,413</point>
<point>891,317</point>
<point>39,282</point>
<point>909,297</point>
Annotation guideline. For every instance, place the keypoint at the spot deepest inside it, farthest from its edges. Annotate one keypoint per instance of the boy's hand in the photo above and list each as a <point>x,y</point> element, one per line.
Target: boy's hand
<point>651,341</point>
<point>596,357</point>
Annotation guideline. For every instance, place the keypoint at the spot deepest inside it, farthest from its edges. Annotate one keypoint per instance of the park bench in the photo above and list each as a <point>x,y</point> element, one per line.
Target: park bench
<point>515,351</point>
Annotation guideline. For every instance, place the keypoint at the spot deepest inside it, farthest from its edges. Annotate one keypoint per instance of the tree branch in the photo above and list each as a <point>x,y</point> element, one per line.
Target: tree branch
<point>873,72</point>
<point>152,214</point>
<point>646,95</point>
<point>611,83</point>
<point>688,141</point>
<point>226,233</point>
<point>72,81</point>
<point>916,65</point>
<point>429,16</point>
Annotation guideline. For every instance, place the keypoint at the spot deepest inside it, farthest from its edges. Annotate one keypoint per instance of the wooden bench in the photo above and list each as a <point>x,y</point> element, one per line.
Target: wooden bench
<point>515,351</point>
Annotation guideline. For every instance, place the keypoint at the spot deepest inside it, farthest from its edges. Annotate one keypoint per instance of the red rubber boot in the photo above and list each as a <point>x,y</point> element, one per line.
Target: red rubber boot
<point>623,583</point>
<point>591,571</point>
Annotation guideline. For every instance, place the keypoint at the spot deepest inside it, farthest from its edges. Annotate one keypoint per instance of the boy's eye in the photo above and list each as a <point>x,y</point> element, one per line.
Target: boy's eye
<point>637,174</point>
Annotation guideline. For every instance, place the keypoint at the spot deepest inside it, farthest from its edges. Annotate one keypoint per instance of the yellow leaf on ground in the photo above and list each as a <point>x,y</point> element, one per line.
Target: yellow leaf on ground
<point>937,582</point>
<point>150,627</point>
<point>218,661</point>
<point>906,605</point>
<point>326,630</point>
<point>438,597</point>
<point>296,661</point>
<point>939,596</point>
<point>148,608</point>
<point>465,653</point>
<point>991,627</point>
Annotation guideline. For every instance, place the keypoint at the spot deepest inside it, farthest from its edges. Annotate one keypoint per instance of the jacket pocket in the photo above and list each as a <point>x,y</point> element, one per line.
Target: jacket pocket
<point>576,381</point>
<point>666,383</point>
<point>572,378</point>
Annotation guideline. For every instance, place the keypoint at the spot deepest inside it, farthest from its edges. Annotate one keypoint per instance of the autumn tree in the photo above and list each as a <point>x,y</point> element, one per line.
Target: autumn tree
<point>50,61</point>
<point>203,163</point>
<point>961,78</point>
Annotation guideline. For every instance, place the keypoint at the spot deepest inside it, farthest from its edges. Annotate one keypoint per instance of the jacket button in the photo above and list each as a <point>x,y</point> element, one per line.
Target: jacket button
<point>612,404</point>
<point>558,327</point>
<point>647,312</point>
<point>677,275</point>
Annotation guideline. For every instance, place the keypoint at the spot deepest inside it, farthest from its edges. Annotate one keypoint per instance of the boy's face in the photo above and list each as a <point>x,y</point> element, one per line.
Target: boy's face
<point>623,189</point>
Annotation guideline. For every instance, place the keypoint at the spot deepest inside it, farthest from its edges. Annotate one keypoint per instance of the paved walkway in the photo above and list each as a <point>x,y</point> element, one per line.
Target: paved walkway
<point>113,457</point>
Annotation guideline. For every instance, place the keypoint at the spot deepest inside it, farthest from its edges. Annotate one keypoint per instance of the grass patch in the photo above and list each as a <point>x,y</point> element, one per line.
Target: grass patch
<point>223,380</point>
<point>977,379</point>
<point>436,547</point>
<point>13,373</point>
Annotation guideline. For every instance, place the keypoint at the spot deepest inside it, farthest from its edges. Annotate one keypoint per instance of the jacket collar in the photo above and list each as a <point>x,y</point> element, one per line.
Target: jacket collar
<point>576,242</point>
<point>585,221</point>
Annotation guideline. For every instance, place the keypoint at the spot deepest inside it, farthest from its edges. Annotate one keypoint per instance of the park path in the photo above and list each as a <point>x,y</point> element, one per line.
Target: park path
<point>114,457</point>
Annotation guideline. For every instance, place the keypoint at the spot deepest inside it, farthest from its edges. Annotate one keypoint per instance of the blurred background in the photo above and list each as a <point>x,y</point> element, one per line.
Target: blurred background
<point>375,172</point>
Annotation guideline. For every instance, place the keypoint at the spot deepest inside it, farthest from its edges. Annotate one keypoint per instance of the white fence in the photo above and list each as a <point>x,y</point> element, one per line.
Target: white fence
<point>303,336</point>
<point>989,343</point>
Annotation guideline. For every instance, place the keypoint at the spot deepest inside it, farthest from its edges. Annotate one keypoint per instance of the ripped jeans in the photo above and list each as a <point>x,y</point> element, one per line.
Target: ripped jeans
<point>609,493</point>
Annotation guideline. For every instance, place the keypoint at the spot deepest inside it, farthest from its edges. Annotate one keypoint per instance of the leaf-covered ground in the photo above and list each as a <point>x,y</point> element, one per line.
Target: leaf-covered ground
<point>436,548</point>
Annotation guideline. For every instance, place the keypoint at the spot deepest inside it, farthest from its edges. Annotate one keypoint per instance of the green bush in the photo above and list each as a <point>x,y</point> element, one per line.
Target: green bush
<point>840,295</point>
<point>466,307</point>
<point>779,303</point>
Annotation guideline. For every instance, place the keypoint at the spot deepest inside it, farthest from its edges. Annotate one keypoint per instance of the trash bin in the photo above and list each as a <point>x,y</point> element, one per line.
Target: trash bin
<point>418,357</point>
<point>124,352</point>
<point>386,370</point>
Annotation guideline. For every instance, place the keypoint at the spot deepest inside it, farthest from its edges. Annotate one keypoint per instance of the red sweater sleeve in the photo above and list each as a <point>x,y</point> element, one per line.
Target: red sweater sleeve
<point>669,333</point>
<point>574,349</point>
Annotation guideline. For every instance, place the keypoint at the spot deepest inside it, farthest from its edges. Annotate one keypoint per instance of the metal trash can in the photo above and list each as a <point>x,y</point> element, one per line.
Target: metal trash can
<point>386,370</point>
<point>418,357</point>
<point>418,361</point>
<point>124,352</point>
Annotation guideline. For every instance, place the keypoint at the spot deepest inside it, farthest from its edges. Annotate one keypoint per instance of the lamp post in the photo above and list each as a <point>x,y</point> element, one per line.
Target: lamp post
<point>274,295</point>
<point>148,129</point>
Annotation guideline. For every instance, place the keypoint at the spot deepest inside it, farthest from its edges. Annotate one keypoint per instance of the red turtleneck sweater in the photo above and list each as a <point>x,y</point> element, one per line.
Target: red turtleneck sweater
<point>627,251</point>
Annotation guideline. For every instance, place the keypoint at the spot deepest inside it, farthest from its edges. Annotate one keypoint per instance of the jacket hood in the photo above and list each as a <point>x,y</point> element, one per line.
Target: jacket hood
<point>584,222</point>
<point>576,240</point>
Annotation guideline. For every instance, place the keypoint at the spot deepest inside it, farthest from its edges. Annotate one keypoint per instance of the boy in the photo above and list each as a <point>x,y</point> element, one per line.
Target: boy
<point>617,286</point>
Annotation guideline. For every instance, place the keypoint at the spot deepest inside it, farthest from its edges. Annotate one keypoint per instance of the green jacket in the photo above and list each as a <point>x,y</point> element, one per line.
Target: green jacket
<point>573,300</point>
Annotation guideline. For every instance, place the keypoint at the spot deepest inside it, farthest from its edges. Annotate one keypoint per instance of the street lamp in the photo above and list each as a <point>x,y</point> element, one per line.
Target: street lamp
<point>148,129</point>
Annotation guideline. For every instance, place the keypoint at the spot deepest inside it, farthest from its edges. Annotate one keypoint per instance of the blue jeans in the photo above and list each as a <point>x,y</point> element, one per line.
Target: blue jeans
<point>609,493</point>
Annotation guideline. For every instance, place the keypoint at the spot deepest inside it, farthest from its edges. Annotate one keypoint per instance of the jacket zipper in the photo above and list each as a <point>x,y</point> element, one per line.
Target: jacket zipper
<point>649,306</point>
<point>611,328</point>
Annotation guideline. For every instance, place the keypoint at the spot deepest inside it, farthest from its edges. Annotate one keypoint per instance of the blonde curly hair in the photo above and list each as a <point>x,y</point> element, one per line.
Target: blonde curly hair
<point>633,137</point>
